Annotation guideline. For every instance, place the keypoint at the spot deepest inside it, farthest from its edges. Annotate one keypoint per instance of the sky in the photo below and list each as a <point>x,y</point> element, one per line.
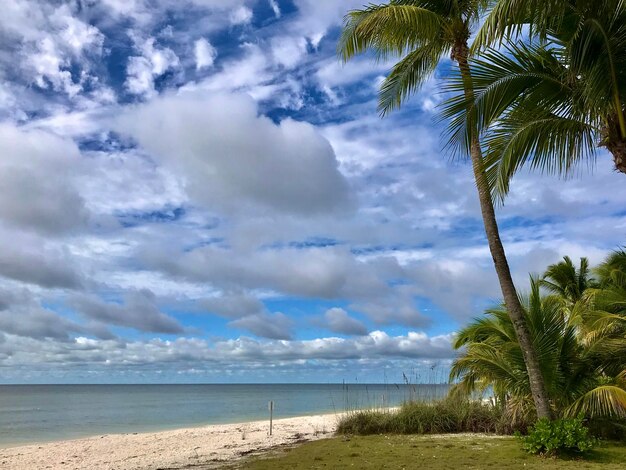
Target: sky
<point>200,191</point>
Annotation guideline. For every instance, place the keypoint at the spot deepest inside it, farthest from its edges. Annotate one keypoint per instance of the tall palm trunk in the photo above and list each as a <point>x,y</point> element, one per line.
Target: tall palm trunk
<point>618,150</point>
<point>513,306</point>
<point>615,143</point>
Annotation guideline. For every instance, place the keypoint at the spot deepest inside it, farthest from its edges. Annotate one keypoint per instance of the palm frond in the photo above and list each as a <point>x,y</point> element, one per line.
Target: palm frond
<point>408,75</point>
<point>603,401</point>
<point>509,19</point>
<point>550,143</point>
<point>388,30</point>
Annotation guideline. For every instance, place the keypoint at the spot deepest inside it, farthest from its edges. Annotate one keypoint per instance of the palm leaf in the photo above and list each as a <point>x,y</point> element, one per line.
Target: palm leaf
<point>603,401</point>
<point>388,30</point>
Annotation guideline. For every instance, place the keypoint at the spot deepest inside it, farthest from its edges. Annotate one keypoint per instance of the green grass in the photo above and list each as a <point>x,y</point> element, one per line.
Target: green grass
<point>460,451</point>
<point>438,417</point>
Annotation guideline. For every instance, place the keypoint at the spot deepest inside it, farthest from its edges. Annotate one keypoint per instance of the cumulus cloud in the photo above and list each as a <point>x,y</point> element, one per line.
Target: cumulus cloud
<point>22,315</point>
<point>235,304</point>
<point>50,41</point>
<point>288,51</point>
<point>39,189</point>
<point>338,321</point>
<point>205,54</point>
<point>314,272</point>
<point>33,263</point>
<point>233,158</point>
<point>241,15</point>
<point>227,353</point>
<point>266,325</point>
<point>153,62</point>
<point>247,73</point>
<point>139,311</point>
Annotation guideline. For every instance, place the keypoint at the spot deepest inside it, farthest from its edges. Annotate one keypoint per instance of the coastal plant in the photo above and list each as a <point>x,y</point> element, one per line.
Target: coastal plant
<point>421,33</point>
<point>558,436</point>
<point>581,345</point>
<point>450,415</point>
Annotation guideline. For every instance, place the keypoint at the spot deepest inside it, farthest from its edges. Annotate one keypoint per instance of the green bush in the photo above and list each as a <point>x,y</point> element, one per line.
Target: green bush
<point>561,435</point>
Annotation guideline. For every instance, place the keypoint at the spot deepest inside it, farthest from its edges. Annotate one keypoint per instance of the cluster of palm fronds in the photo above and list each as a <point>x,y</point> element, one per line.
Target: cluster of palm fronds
<point>547,98</point>
<point>578,326</point>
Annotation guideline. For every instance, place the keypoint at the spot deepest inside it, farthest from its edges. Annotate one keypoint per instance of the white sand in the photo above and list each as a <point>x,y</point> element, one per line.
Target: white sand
<point>205,446</point>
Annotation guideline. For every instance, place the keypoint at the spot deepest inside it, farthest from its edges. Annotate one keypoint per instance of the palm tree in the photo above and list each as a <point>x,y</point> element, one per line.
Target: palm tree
<point>550,102</point>
<point>580,375</point>
<point>421,32</point>
<point>564,280</point>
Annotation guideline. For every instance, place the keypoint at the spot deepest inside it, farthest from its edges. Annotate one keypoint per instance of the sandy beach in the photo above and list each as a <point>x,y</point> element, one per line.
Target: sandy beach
<point>204,447</point>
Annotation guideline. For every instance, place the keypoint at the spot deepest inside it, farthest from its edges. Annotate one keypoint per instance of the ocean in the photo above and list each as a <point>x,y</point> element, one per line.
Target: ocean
<point>43,413</point>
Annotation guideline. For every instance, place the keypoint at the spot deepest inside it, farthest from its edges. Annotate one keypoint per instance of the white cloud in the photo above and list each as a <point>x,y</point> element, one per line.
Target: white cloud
<point>241,15</point>
<point>339,321</point>
<point>38,175</point>
<point>265,325</point>
<point>243,73</point>
<point>139,311</point>
<point>32,262</point>
<point>142,70</point>
<point>314,272</point>
<point>224,354</point>
<point>275,8</point>
<point>288,51</point>
<point>50,39</point>
<point>316,17</point>
<point>22,315</point>
<point>205,54</point>
<point>232,158</point>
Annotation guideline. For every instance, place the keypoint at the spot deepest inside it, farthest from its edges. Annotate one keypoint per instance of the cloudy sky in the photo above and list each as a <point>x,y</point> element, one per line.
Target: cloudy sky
<point>199,191</point>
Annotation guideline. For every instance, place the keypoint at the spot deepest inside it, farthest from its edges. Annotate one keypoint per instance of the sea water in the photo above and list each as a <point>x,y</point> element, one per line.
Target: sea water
<point>41,413</point>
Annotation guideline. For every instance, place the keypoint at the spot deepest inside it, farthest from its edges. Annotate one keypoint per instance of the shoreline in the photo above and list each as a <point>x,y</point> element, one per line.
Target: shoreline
<point>205,446</point>
<point>164,428</point>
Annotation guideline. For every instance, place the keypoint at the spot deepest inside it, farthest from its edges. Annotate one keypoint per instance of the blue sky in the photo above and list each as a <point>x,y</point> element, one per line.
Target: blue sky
<point>199,191</point>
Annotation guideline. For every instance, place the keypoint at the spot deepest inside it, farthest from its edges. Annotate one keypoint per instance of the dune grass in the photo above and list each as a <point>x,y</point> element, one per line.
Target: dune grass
<point>452,451</point>
<point>438,417</point>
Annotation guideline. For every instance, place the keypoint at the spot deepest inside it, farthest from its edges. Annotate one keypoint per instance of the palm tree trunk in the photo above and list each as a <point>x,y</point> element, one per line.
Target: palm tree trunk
<point>618,150</point>
<point>511,300</point>
<point>614,141</point>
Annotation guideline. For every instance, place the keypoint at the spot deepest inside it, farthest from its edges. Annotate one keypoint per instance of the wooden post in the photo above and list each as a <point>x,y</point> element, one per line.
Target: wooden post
<point>270,405</point>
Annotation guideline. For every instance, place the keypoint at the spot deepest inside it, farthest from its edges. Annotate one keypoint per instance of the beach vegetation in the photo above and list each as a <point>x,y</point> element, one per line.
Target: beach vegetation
<point>557,437</point>
<point>450,415</point>
<point>578,328</point>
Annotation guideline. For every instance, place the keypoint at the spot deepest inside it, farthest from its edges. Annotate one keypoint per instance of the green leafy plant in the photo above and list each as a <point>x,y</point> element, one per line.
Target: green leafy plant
<point>561,435</point>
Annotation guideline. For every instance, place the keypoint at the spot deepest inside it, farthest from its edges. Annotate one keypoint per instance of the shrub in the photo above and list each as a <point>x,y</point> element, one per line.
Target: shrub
<point>561,435</point>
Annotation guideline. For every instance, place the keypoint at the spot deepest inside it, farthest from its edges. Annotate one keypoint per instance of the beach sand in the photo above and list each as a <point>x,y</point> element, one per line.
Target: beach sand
<point>204,447</point>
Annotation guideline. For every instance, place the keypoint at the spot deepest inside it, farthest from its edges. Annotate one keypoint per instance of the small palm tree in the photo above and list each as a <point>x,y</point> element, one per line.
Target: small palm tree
<point>551,102</point>
<point>580,376</point>
<point>421,32</point>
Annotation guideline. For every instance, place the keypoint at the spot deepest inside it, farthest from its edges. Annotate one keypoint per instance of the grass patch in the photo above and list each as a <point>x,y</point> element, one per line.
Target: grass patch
<point>444,416</point>
<point>432,452</point>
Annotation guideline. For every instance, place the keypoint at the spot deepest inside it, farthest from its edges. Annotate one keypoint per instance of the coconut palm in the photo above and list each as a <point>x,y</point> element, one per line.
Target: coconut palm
<point>603,323</point>
<point>579,375</point>
<point>552,101</point>
<point>421,32</point>
<point>564,280</point>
